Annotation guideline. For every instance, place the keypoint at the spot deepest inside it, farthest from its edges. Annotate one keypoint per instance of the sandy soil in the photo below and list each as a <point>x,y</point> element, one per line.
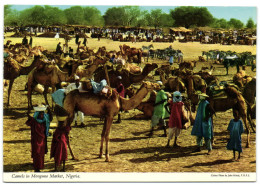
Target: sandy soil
<point>130,149</point>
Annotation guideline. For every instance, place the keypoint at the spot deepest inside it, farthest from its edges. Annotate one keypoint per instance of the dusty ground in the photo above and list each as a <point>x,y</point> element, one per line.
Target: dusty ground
<point>130,149</point>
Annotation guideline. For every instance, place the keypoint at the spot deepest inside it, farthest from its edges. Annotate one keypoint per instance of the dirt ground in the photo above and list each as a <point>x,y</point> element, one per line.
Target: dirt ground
<point>130,149</point>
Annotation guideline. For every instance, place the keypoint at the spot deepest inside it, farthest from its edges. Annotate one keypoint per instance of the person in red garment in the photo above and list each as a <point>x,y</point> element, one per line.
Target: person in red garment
<point>176,117</point>
<point>60,138</point>
<point>39,124</point>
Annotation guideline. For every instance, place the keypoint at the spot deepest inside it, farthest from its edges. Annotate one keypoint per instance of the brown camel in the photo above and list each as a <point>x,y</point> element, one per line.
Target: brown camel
<point>87,71</point>
<point>127,77</point>
<point>132,53</point>
<point>235,101</point>
<point>249,93</point>
<point>96,104</point>
<point>48,76</point>
<point>173,83</point>
<point>240,79</point>
<point>12,70</point>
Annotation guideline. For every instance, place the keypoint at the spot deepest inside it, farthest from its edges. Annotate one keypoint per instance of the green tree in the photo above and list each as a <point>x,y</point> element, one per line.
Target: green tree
<point>115,16</point>
<point>220,23</point>
<point>33,16</point>
<point>132,15</point>
<point>7,10</point>
<point>92,16</point>
<point>250,23</point>
<point>191,16</point>
<point>235,23</point>
<point>54,16</point>
<point>75,15</point>
<point>158,19</point>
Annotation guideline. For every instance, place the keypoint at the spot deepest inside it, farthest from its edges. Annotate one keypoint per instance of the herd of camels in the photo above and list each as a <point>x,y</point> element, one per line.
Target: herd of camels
<point>50,70</point>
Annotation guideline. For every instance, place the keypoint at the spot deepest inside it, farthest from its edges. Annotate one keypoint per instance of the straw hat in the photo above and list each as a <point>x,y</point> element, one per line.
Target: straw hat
<point>40,107</point>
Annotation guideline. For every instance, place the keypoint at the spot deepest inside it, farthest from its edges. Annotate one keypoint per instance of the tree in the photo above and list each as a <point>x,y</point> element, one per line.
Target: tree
<point>220,23</point>
<point>132,14</point>
<point>191,16</point>
<point>75,15</point>
<point>115,16</point>
<point>54,16</point>
<point>235,23</point>
<point>250,23</point>
<point>33,16</point>
<point>92,16</point>
<point>7,10</point>
<point>159,19</point>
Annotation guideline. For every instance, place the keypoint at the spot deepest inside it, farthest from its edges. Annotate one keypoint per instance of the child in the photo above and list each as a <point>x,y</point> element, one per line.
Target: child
<point>60,138</point>
<point>235,128</point>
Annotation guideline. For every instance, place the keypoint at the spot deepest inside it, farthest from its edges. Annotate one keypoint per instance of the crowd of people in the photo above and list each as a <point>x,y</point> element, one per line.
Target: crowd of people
<point>164,107</point>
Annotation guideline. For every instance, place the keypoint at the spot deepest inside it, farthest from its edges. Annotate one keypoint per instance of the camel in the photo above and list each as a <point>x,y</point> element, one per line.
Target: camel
<point>173,83</point>
<point>132,53</point>
<point>187,65</point>
<point>241,79</point>
<point>127,77</point>
<point>87,71</point>
<point>98,105</point>
<point>234,100</point>
<point>249,94</point>
<point>49,76</point>
<point>12,70</point>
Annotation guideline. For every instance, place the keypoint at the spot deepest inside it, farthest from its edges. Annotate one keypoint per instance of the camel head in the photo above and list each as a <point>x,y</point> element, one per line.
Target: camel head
<point>199,83</point>
<point>150,86</point>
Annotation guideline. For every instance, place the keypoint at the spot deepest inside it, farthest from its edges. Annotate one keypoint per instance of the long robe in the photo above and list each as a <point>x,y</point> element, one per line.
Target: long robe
<point>176,115</point>
<point>59,145</point>
<point>201,127</point>
<point>38,142</point>
<point>159,110</point>
<point>235,129</point>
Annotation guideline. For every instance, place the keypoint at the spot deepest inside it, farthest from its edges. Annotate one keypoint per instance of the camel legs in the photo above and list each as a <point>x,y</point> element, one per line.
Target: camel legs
<point>105,135</point>
<point>9,91</point>
<point>247,130</point>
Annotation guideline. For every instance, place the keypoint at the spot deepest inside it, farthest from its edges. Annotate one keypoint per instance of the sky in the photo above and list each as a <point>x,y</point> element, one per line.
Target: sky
<point>242,13</point>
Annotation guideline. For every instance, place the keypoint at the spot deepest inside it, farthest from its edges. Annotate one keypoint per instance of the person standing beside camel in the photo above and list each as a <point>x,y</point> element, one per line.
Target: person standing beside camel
<point>121,91</point>
<point>202,127</point>
<point>176,117</point>
<point>60,138</point>
<point>235,128</point>
<point>69,88</point>
<point>159,112</point>
<point>39,124</point>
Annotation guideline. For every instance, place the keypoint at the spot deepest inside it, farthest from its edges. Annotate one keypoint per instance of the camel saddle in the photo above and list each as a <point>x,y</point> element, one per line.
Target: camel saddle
<point>87,87</point>
<point>218,91</point>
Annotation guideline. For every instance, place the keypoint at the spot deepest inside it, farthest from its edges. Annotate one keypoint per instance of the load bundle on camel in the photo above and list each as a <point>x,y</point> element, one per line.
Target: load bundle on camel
<point>95,104</point>
<point>12,70</point>
<point>128,78</point>
<point>228,97</point>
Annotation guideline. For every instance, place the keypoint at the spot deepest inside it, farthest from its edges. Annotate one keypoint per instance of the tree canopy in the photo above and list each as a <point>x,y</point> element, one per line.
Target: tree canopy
<point>188,16</point>
<point>133,16</point>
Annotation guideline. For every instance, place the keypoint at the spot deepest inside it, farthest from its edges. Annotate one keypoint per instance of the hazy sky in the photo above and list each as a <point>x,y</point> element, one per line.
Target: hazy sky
<point>242,13</point>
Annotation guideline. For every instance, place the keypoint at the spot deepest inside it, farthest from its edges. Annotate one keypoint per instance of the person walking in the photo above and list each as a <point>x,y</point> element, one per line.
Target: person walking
<point>39,124</point>
<point>25,41</point>
<point>159,112</point>
<point>58,49</point>
<point>235,128</point>
<point>77,38</point>
<point>85,40</point>
<point>177,118</point>
<point>202,127</point>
